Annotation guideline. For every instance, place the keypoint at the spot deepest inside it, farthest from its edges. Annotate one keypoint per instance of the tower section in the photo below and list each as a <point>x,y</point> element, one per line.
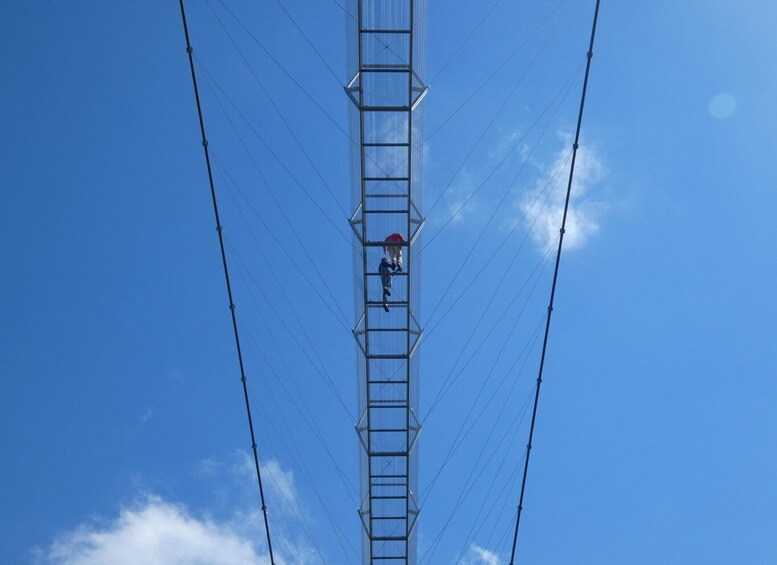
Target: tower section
<point>386,53</point>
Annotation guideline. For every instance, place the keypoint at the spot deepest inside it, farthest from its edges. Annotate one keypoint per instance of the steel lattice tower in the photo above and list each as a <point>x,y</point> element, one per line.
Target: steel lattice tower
<point>386,53</point>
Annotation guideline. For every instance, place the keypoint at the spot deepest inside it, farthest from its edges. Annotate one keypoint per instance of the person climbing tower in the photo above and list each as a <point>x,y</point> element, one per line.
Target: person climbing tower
<point>394,252</point>
<point>386,269</point>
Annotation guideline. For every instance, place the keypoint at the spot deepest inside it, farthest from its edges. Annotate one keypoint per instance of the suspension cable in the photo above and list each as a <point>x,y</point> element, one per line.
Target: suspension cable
<point>243,379</point>
<point>555,280</point>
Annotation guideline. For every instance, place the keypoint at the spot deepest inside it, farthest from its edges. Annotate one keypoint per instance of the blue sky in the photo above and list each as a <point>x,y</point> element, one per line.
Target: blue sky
<point>122,416</point>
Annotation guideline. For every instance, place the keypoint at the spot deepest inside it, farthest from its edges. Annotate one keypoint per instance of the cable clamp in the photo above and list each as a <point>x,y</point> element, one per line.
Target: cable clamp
<point>590,54</point>
<point>575,146</point>
<point>232,307</point>
<point>253,445</point>
<point>218,228</point>
<point>204,142</point>
<point>562,231</point>
<point>550,309</point>
<point>189,50</point>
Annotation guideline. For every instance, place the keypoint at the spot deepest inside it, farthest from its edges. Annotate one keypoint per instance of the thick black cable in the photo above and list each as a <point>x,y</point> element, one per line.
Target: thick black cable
<point>555,280</point>
<point>243,379</point>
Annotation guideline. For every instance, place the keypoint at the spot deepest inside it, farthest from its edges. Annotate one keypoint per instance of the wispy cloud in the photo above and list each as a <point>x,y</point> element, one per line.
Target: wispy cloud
<point>459,203</point>
<point>585,208</point>
<point>274,476</point>
<point>154,531</point>
<point>146,416</point>
<point>477,555</point>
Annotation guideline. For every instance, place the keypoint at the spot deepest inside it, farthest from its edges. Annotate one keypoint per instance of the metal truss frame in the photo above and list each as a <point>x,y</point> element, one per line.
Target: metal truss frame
<point>388,428</point>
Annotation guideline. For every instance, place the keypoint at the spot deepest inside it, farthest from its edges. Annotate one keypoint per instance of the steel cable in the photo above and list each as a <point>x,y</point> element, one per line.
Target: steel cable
<point>219,230</point>
<point>555,280</point>
<point>277,110</point>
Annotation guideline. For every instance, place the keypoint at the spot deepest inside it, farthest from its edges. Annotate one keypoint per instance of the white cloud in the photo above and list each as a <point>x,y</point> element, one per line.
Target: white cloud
<point>459,200</point>
<point>146,416</point>
<point>281,481</point>
<point>153,531</point>
<point>208,467</point>
<point>584,209</point>
<point>477,555</point>
<point>506,148</point>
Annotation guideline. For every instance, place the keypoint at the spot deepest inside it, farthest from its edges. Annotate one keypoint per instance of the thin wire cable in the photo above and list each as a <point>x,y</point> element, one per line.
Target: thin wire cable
<point>283,69</point>
<point>287,73</point>
<point>298,460</point>
<point>459,439</point>
<point>347,13</point>
<point>555,279</point>
<point>470,482</point>
<point>496,72</point>
<point>306,415</point>
<point>493,120</point>
<point>508,486</point>
<point>230,182</point>
<point>499,204</point>
<point>561,94</point>
<point>266,261</point>
<point>228,177</point>
<point>272,431</point>
<point>243,379</point>
<point>280,208</point>
<point>464,42</point>
<point>276,108</point>
<point>463,104</point>
<point>448,383</point>
<point>211,80</point>
<point>309,42</point>
<point>549,189</point>
<point>325,376</point>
